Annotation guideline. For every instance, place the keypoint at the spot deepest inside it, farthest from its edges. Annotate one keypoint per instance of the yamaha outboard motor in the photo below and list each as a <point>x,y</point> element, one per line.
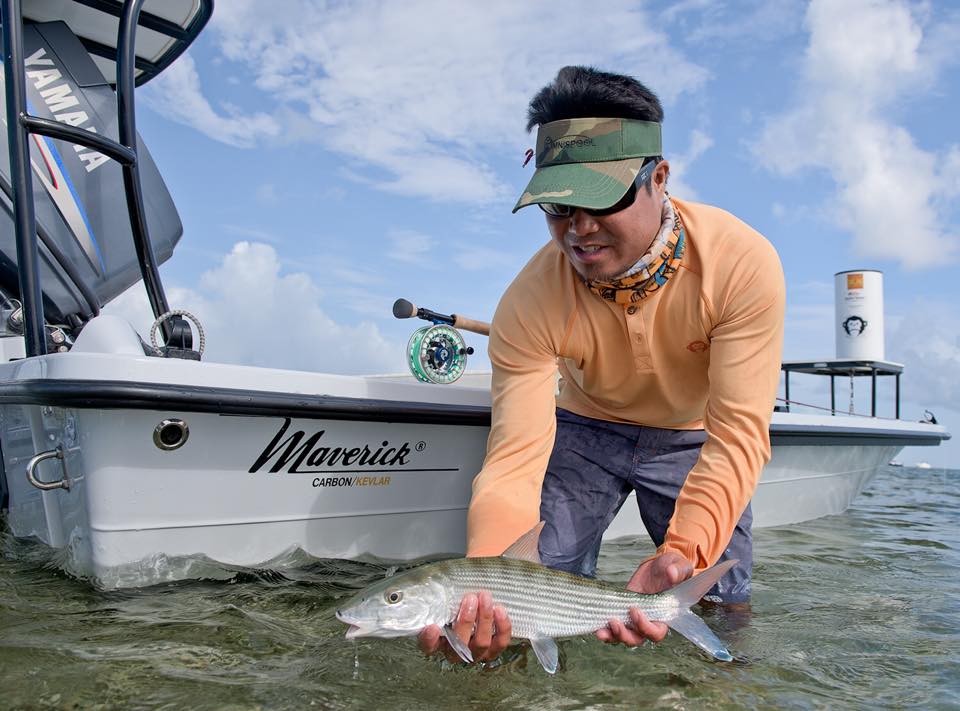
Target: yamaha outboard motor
<point>87,253</point>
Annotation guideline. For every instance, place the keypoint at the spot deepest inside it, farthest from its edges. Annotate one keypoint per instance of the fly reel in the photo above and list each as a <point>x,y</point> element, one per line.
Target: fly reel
<point>437,353</point>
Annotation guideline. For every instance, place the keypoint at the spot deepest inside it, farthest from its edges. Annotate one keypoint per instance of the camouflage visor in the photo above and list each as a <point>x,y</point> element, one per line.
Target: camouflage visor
<point>589,162</point>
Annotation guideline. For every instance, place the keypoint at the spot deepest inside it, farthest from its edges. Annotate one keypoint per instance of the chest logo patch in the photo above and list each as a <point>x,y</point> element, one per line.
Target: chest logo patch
<point>697,346</point>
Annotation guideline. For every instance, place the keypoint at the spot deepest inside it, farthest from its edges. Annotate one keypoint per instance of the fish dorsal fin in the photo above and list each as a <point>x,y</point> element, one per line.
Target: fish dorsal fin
<point>527,547</point>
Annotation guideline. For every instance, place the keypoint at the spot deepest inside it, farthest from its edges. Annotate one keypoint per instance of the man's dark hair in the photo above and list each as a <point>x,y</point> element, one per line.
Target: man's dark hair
<point>584,92</point>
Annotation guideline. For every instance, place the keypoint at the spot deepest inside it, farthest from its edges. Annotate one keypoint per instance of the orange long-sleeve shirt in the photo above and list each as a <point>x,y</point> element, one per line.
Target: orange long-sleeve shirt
<point>702,352</point>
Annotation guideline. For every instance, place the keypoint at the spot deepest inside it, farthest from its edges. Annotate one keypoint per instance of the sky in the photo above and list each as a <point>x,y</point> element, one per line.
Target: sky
<point>327,158</point>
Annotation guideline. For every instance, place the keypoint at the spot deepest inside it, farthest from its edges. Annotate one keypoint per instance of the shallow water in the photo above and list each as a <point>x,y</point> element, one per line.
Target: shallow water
<point>860,610</point>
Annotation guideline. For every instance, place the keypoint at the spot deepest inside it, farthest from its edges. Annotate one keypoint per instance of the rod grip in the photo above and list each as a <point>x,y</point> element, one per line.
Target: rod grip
<point>469,324</point>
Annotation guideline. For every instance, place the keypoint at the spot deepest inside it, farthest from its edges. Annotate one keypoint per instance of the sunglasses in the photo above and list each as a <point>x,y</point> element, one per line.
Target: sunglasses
<point>556,210</point>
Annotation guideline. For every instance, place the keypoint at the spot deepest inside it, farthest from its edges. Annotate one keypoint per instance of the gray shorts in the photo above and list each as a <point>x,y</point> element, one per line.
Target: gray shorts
<point>593,468</point>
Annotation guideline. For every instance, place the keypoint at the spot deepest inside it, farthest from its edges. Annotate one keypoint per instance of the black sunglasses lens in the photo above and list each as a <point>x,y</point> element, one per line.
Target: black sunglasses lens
<point>555,210</point>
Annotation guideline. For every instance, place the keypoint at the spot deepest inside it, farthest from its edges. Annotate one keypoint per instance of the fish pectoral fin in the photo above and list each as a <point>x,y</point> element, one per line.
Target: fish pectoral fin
<point>696,630</point>
<point>459,646</point>
<point>547,653</point>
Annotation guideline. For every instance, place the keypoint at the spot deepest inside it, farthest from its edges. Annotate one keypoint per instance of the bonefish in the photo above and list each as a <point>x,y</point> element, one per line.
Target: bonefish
<point>543,604</point>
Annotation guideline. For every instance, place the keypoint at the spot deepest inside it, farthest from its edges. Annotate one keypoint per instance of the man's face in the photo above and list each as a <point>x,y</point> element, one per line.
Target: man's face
<point>603,247</point>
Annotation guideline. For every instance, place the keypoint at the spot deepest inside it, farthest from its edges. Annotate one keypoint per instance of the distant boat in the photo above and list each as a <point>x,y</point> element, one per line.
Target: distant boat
<point>895,463</point>
<point>923,465</point>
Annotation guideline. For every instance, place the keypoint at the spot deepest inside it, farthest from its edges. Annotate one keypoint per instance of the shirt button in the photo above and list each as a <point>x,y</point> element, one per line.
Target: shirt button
<point>632,310</point>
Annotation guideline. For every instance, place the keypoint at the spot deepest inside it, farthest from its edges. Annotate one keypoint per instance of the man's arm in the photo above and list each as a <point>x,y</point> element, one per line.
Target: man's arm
<point>744,373</point>
<point>506,492</point>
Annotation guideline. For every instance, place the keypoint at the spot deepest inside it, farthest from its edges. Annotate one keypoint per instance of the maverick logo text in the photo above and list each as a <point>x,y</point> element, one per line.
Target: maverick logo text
<point>300,454</point>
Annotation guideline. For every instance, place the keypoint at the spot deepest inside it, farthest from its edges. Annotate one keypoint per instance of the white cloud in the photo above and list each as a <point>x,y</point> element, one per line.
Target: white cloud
<point>176,94</point>
<point>410,246</point>
<point>741,25</point>
<point>927,340</point>
<point>862,57</point>
<point>808,332</point>
<point>678,9</point>
<point>814,290</point>
<point>254,314</point>
<point>422,97</point>
<point>472,257</point>
<point>426,252</point>
<point>700,143</point>
<point>251,233</point>
<point>809,321</point>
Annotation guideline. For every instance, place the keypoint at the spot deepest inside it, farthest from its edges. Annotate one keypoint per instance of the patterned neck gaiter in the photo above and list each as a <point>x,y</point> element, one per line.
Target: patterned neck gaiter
<point>653,269</point>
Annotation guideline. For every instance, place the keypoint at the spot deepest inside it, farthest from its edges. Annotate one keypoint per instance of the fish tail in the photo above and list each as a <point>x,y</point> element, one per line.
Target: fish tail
<point>687,623</point>
<point>696,630</point>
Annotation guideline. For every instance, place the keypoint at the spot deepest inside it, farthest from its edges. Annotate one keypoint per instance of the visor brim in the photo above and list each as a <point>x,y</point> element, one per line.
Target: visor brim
<point>595,186</point>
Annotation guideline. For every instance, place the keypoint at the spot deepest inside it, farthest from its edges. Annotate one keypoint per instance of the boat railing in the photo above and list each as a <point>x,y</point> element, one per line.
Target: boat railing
<point>851,369</point>
<point>792,405</point>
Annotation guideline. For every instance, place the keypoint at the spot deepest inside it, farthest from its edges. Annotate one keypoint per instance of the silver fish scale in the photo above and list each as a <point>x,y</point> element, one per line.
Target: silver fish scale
<point>545,602</point>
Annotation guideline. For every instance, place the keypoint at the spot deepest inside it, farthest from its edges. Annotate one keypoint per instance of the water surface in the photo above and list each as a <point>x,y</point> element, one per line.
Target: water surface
<point>860,610</point>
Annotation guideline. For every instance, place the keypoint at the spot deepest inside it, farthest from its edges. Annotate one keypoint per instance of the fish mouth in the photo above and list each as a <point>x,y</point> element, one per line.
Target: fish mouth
<point>354,631</point>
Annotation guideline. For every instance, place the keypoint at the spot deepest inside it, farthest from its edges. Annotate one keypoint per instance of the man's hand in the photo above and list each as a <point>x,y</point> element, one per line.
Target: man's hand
<point>653,576</point>
<point>485,628</point>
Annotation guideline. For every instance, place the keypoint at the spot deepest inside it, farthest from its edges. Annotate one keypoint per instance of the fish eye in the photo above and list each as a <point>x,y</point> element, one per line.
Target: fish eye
<point>393,596</point>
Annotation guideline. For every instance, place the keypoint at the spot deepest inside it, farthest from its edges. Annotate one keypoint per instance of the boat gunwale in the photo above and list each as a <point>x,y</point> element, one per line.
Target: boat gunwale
<point>79,393</point>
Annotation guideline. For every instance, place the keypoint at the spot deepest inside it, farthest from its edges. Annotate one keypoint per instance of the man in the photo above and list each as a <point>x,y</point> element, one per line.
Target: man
<point>666,321</point>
